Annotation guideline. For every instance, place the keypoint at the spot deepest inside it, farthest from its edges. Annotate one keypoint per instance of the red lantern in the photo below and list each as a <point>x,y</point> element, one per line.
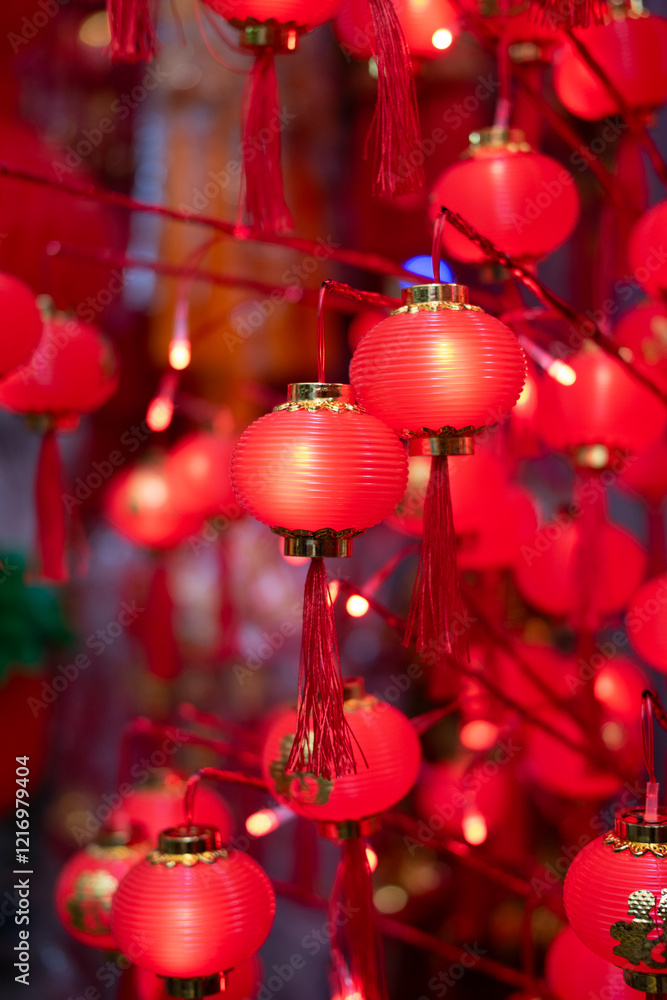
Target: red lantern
<point>22,318</point>
<point>199,470</point>
<point>525,202</point>
<point>646,622</point>
<point>158,805</point>
<point>520,26</point>
<point>319,471</point>
<point>438,370</point>
<point>192,910</point>
<point>572,972</point>
<point>642,335</point>
<point>605,411</point>
<point>614,897</point>
<point>86,886</point>
<point>387,752</point>
<point>648,266</point>
<point>647,476</point>
<point>428,25</point>
<point>631,50</point>
<point>72,371</point>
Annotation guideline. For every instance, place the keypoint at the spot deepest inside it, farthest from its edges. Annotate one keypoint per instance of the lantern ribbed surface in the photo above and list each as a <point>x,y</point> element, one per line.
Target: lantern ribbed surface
<point>305,470</point>
<point>524,202</point>
<point>573,972</point>
<point>646,622</point>
<point>597,889</point>
<point>184,922</point>
<point>73,370</point>
<point>450,367</point>
<point>645,254</point>
<point>300,12</point>
<point>604,406</point>
<point>643,329</point>
<point>632,51</point>
<point>85,889</point>
<point>392,751</point>
<point>20,316</point>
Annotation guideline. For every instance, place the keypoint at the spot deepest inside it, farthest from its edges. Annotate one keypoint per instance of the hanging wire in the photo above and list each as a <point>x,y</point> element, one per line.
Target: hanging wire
<point>321,343</point>
<point>436,249</point>
<point>647,721</point>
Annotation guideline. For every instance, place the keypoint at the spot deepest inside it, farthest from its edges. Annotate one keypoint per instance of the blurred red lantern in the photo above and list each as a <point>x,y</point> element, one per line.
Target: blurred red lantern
<point>646,622</point>
<point>428,25</point>
<point>573,972</point>
<point>199,468</point>
<point>605,411</point>
<point>88,882</point>
<point>525,202</point>
<point>631,50</point>
<point>23,323</point>
<point>387,752</point>
<point>438,370</point>
<point>72,371</point>
<point>648,265</point>
<point>158,805</point>
<point>297,13</point>
<point>518,25</point>
<point>193,910</point>
<point>647,476</point>
<point>642,334</point>
<point>614,897</point>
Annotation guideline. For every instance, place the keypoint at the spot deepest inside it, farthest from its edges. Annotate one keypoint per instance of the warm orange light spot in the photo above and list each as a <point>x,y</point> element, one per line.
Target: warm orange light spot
<point>357,606</point>
<point>262,822</point>
<point>562,372</point>
<point>180,354</point>
<point>159,413</point>
<point>442,39</point>
<point>478,734</point>
<point>334,590</point>
<point>474,827</point>
<point>372,858</point>
<point>94,30</point>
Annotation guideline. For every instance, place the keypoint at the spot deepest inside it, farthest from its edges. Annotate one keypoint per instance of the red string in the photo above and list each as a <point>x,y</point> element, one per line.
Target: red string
<point>648,734</point>
<point>436,249</point>
<point>321,342</point>
<point>229,777</point>
<point>50,512</point>
<point>133,36</point>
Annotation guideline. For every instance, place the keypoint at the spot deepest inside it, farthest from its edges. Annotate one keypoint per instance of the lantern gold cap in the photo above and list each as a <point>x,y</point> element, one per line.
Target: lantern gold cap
<point>647,982</point>
<point>298,392</point>
<point>498,137</point>
<point>353,688</point>
<point>630,826</point>
<point>446,445</point>
<point>196,988</point>
<point>348,829</point>
<point>189,840</point>
<point>436,292</point>
<point>268,35</point>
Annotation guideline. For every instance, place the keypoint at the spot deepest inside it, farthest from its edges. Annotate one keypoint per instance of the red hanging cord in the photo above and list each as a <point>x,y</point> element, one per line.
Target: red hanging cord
<point>436,249</point>
<point>50,512</point>
<point>321,342</point>
<point>214,773</point>
<point>132,27</point>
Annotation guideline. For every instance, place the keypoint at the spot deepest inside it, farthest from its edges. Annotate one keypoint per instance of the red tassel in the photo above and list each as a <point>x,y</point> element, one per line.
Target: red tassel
<point>323,739</point>
<point>436,609</point>
<point>155,627</point>
<point>50,512</point>
<point>570,13</point>
<point>395,125</point>
<point>588,551</point>
<point>133,35</point>
<point>262,149</point>
<point>357,951</point>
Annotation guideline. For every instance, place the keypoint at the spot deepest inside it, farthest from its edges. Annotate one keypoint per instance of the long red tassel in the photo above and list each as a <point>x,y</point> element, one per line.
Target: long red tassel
<point>436,610</point>
<point>133,35</point>
<point>357,949</point>
<point>395,125</point>
<point>571,13</point>
<point>50,512</point>
<point>262,149</point>
<point>323,739</point>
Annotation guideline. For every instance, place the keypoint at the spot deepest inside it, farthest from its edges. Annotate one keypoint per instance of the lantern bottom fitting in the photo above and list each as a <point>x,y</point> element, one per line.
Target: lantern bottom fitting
<point>348,829</point>
<point>196,988</point>
<point>592,456</point>
<point>647,982</point>
<point>270,34</point>
<point>446,445</point>
<point>318,548</point>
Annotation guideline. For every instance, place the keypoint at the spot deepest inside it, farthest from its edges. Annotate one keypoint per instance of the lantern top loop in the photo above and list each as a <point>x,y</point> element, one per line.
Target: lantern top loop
<point>301,391</point>
<point>189,840</point>
<point>435,292</point>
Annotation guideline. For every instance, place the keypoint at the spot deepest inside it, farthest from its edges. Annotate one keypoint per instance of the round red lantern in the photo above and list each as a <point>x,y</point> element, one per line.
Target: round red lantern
<point>429,27</point>
<point>192,910</point>
<point>573,972</point>
<point>158,805</point>
<point>23,323</point>
<point>647,476</point>
<point>526,203</point>
<point>614,897</point>
<point>631,50</point>
<point>199,470</point>
<point>88,882</point>
<point>646,622</point>
<point>648,266</point>
<point>387,752</point>
<point>603,412</point>
<point>642,334</point>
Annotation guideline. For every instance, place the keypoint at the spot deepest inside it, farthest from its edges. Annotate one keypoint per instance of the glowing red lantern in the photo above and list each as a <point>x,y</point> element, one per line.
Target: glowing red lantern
<point>631,50</point>
<point>87,883</point>
<point>22,319</point>
<point>199,469</point>
<point>519,24</point>
<point>192,910</point>
<point>646,622</point>
<point>648,265</point>
<point>614,897</point>
<point>428,25</point>
<point>525,202</point>
<point>642,335</point>
<point>604,411</point>
<point>387,752</point>
<point>438,370</point>
<point>573,972</point>
<point>647,476</point>
<point>158,805</point>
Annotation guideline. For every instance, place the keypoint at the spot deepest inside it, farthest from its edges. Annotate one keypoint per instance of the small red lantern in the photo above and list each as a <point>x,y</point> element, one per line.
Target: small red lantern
<point>631,49</point>
<point>641,334</point>
<point>87,883</point>
<point>526,203</point>
<point>646,622</point>
<point>648,265</point>
<point>387,751</point>
<point>319,471</point>
<point>192,910</point>
<point>428,25</point>
<point>23,323</point>
<point>615,897</point>
<point>647,476</point>
<point>605,411</point>
<point>158,805</point>
<point>72,371</point>
<point>572,972</point>
<point>438,370</point>
<point>199,470</point>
